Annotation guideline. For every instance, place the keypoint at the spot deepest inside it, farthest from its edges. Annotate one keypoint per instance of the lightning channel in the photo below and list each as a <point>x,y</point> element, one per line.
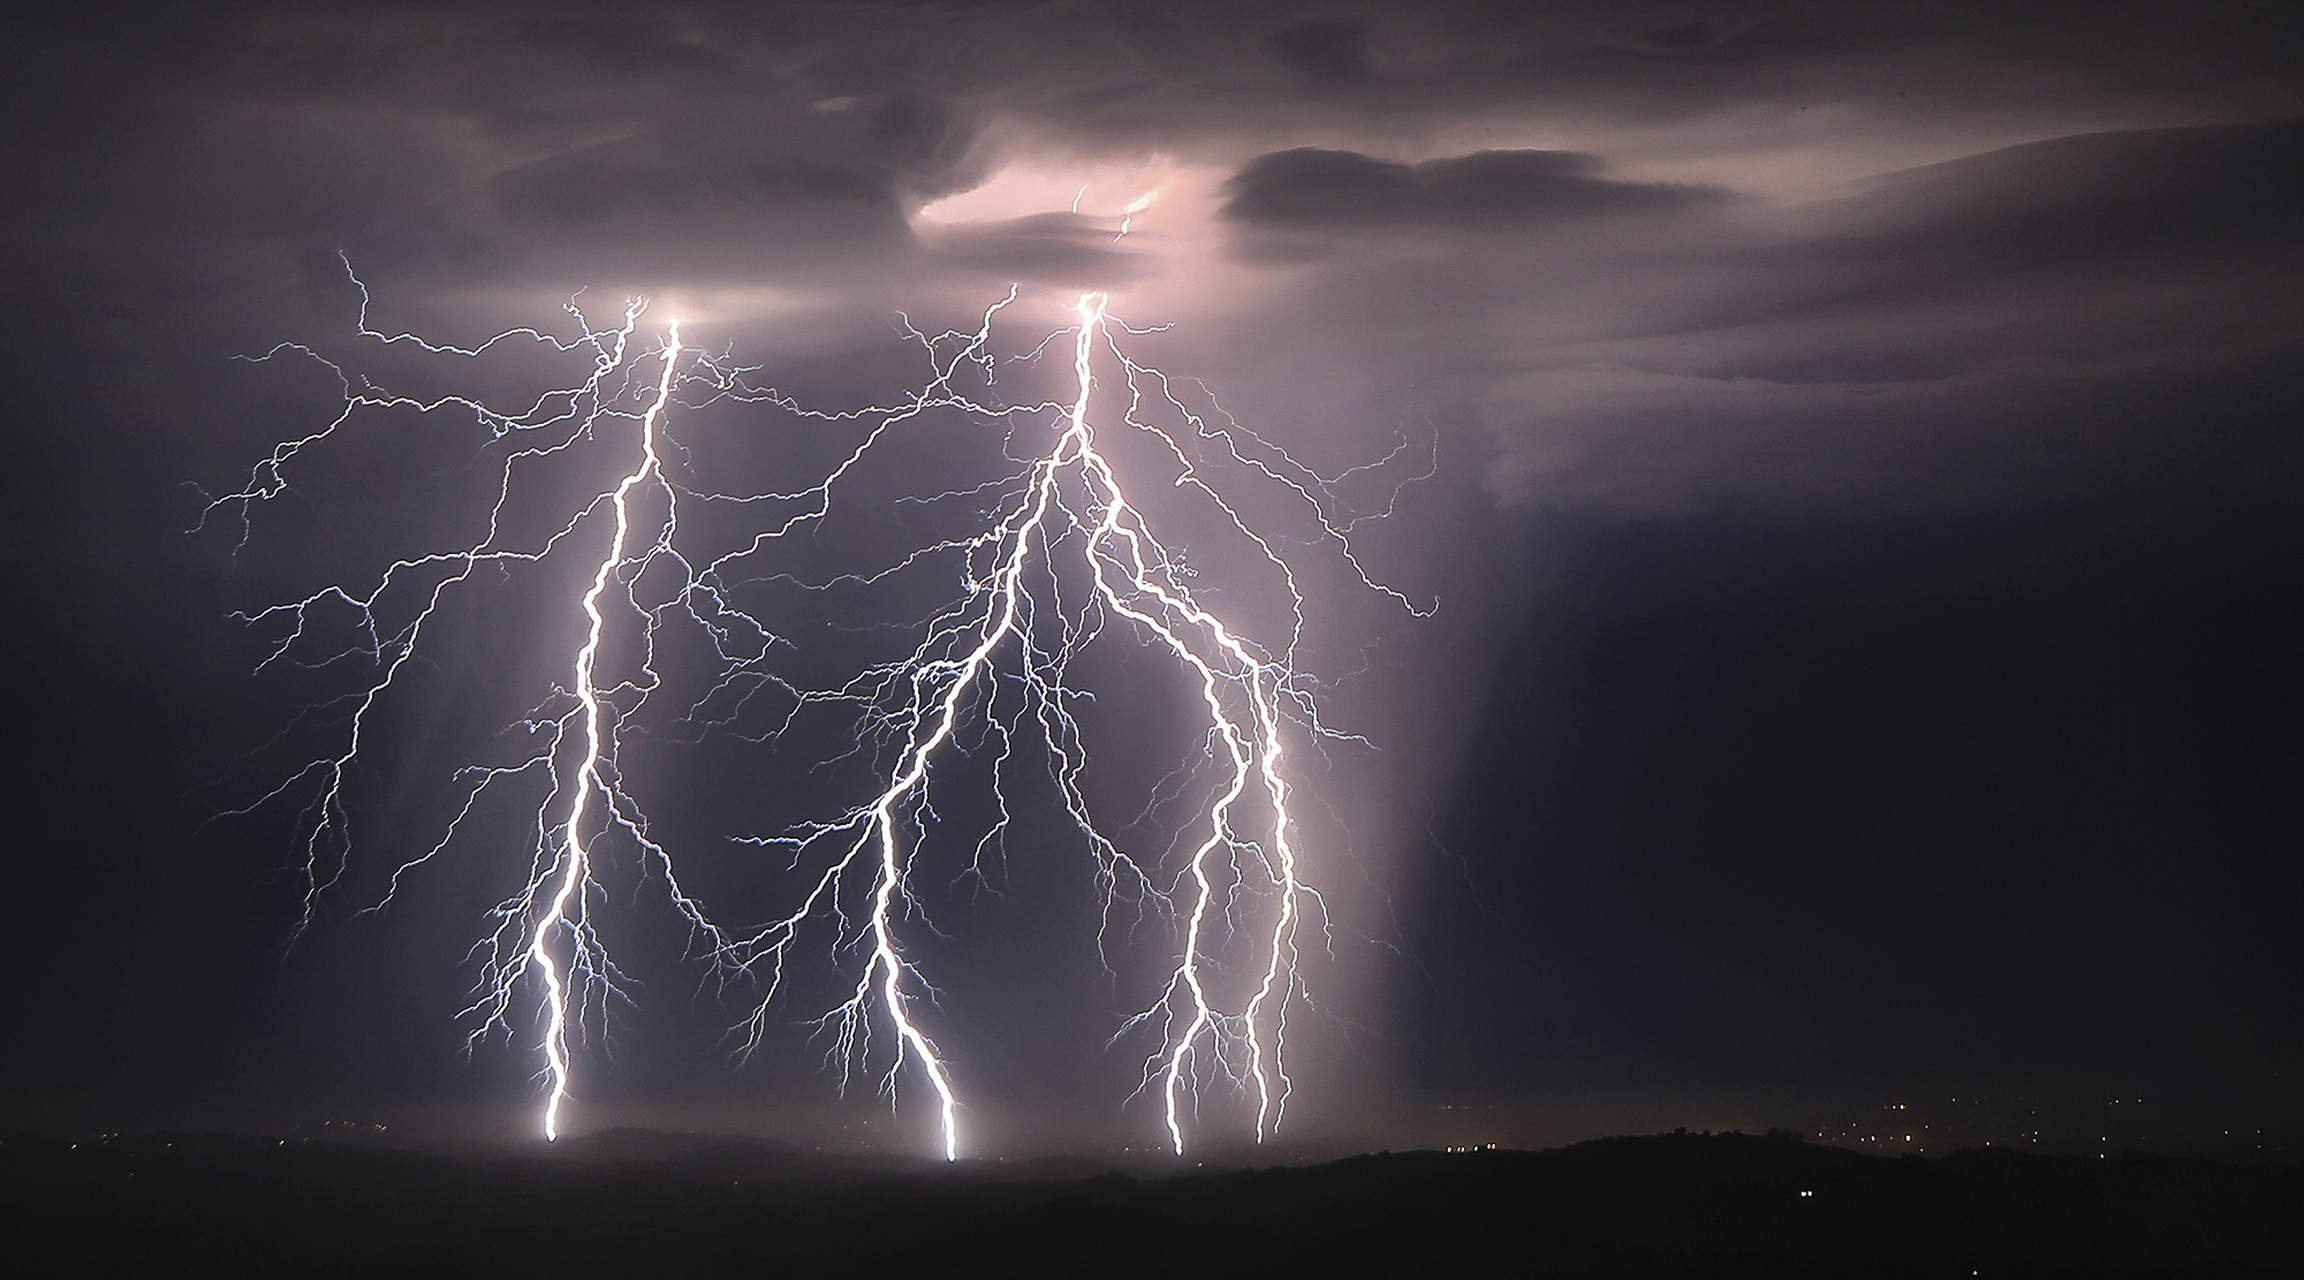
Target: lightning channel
<point>1061,555</point>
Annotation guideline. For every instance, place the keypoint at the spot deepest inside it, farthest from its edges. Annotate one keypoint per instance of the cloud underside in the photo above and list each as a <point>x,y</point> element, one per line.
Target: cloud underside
<point>1500,190</point>
<point>1061,249</point>
<point>1949,307</point>
<point>1557,296</point>
<point>1647,346</point>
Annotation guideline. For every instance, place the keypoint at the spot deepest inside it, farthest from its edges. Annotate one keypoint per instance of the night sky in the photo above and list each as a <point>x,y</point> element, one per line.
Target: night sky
<point>1864,519</point>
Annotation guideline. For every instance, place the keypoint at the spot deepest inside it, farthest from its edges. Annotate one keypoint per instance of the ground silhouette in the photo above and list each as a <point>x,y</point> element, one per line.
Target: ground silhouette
<point>634,1203</point>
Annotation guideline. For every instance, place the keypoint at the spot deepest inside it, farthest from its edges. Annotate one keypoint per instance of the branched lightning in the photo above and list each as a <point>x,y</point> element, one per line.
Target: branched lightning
<point>1059,554</point>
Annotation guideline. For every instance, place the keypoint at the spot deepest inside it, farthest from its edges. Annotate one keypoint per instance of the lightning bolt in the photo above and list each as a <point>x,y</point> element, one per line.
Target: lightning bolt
<point>570,872</point>
<point>1062,554</point>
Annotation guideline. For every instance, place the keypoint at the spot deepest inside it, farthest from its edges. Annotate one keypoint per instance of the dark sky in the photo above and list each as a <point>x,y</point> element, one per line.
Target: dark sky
<point>1865,522</point>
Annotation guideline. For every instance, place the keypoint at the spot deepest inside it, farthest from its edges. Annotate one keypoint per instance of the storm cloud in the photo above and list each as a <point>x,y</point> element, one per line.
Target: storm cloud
<point>1923,303</point>
<point>1558,225</point>
<point>1505,189</point>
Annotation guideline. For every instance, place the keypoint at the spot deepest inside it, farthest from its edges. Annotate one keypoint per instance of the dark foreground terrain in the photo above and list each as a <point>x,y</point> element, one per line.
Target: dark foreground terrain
<point>647,1205</point>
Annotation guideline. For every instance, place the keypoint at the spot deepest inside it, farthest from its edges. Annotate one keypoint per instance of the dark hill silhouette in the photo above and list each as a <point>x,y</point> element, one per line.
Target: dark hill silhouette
<point>634,1203</point>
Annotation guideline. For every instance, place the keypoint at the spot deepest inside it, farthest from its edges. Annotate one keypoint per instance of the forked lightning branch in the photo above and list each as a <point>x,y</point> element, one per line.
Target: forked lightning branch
<point>681,626</point>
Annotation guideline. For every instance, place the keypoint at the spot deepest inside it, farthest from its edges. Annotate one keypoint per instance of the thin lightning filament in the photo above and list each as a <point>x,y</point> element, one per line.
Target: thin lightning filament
<point>1061,557</point>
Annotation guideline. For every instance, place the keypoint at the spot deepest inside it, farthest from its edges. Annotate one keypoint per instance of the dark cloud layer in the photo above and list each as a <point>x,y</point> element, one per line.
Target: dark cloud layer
<point>1893,316</point>
<point>1062,249</point>
<point>534,151</point>
<point>1335,49</point>
<point>1311,187</point>
<point>2200,193</point>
